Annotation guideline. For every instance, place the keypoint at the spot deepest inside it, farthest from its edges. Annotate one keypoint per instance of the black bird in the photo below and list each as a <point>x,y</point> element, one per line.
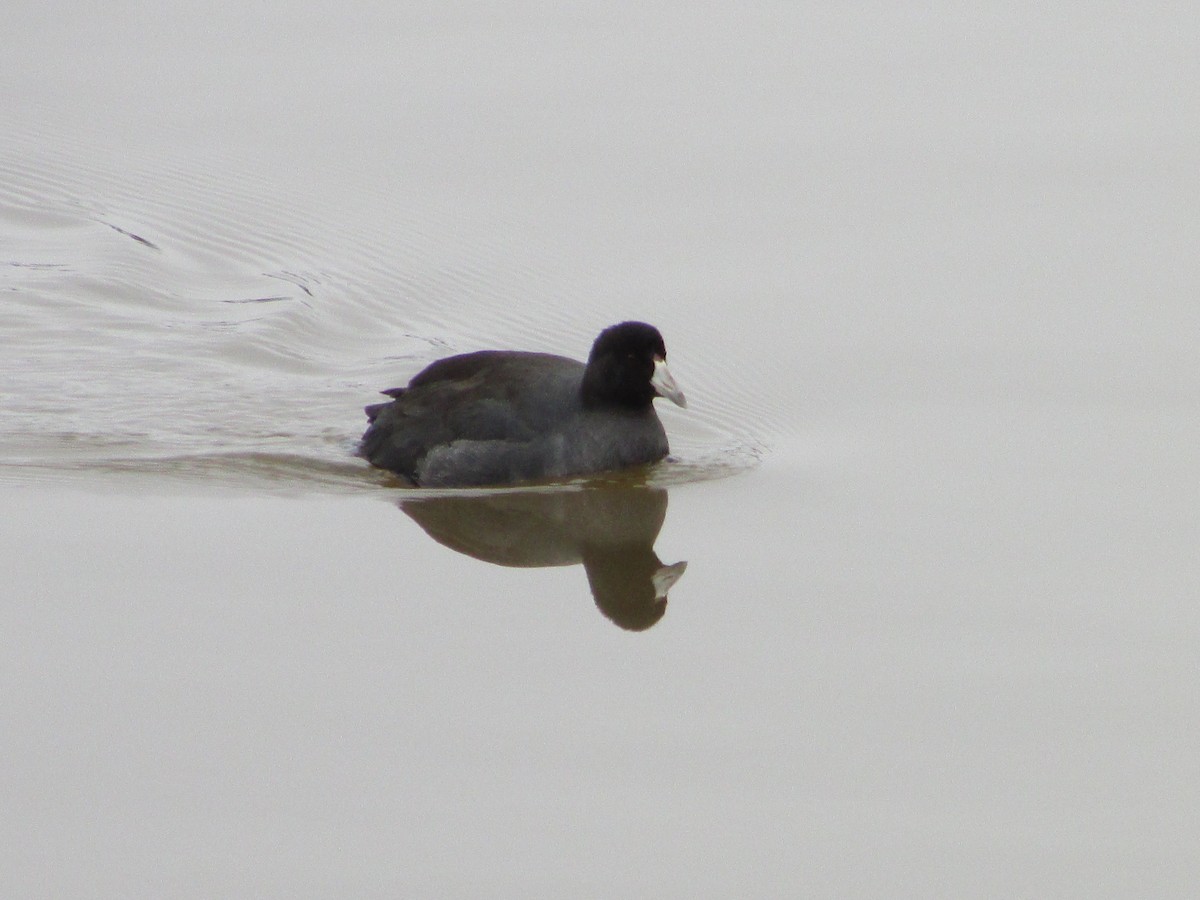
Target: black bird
<point>503,417</point>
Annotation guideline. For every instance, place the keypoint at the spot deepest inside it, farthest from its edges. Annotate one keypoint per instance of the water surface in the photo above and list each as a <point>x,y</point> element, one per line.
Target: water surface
<point>928,278</point>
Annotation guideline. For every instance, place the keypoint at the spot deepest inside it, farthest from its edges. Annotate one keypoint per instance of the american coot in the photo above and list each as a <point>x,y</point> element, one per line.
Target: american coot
<point>502,417</point>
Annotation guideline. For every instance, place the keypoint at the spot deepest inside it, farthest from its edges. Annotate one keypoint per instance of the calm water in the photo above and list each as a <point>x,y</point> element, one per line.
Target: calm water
<point>910,612</point>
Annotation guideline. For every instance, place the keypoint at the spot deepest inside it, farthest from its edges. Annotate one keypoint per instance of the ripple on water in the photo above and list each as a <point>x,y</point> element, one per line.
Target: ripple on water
<point>174,325</point>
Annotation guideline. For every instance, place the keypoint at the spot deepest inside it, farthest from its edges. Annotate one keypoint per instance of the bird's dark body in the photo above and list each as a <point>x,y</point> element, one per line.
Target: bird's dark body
<point>503,417</point>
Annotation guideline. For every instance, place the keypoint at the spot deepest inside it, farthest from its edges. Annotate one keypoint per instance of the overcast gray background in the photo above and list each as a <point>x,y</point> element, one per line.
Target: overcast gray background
<point>928,277</point>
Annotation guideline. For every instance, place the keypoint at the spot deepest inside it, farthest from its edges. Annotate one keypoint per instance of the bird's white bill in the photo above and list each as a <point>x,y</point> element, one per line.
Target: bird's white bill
<point>662,382</point>
<point>665,578</point>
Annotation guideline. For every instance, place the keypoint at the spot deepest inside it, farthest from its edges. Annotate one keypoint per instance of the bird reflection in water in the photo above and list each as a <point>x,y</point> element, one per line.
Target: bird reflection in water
<point>610,528</point>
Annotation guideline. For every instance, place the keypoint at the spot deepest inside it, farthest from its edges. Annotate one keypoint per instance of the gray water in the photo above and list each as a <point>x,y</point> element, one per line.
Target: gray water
<point>929,279</point>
